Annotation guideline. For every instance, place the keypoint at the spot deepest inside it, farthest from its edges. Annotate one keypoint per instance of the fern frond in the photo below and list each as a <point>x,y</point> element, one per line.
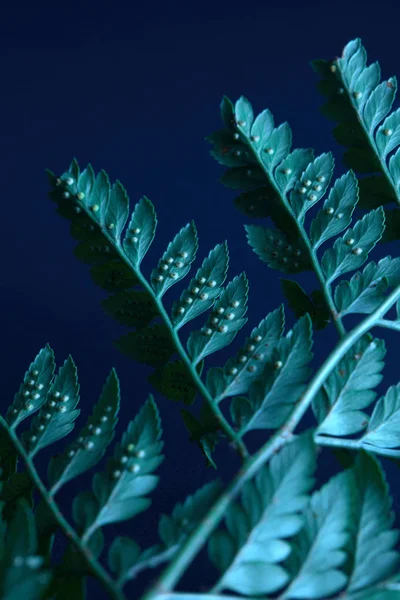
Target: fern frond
<point>361,104</point>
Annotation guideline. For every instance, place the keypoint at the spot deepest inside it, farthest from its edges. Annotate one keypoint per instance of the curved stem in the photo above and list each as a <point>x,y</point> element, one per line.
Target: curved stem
<point>196,540</point>
<point>69,532</point>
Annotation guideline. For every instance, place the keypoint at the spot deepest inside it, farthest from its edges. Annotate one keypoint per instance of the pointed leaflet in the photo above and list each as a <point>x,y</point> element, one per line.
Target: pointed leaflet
<point>140,232</point>
<point>349,388</point>
<point>383,431</point>
<point>365,291</point>
<point>56,417</point>
<point>351,250</point>
<point>133,308</point>
<point>301,303</point>
<point>205,431</point>
<point>312,185</point>
<point>33,391</point>
<point>151,345</point>
<point>335,216</point>
<point>203,288</point>
<point>318,551</point>
<point>248,553</point>
<point>119,491</point>
<point>371,547</point>
<point>176,260</point>
<point>224,321</point>
<point>86,451</point>
<point>283,379</point>
<point>238,374</point>
<point>274,248</point>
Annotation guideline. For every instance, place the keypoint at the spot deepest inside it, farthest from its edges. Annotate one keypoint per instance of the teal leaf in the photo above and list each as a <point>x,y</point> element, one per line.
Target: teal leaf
<point>56,417</point>
<point>89,447</point>
<point>244,115</point>
<point>371,548</point>
<point>176,260</point>
<point>284,376</point>
<point>140,232</point>
<point>173,381</point>
<point>301,303</point>
<point>122,554</point>
<point>133,308</point>
<point>238,374</point>
<point>203,288</point>
<point>274,248</point>
<point>335,215</point>
<point>204,432</point>
<point>319,547</point>
<point>277,147</point>
<point>379,103</point>
<point>249,550</point>
<point>351,250</point>
<point>33,391</point>
<point>365,291</point>
<point>224,321</point>
<point>117,211</point>
<point>113,276</point>
<point>119,492</point>
<point>292,167</point>
<point>349,389</point>
<point>383,429</point>
<point>312,186</point>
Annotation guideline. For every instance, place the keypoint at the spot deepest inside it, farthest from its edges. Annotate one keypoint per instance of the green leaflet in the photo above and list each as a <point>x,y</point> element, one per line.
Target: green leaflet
<point>132,308</point>
<point>205,431</point>
<point>151,345</point>
<point>348,389</point>
<point>366,290</point>
<point>176,260</point>
<point>362,104</point>
<point>119,492</point>
<point>274,248</point>
<point>335,215</point>
<point>203,288</point>
<point>22,574</point>
<point>351,250</point>
<point>89,447</point>
<point>372,557</point>
<point>57,415</point>
<point>319,548</point>
<point>140,232</point>
<point>223,323</point>
<point>383,427</point>
<point>301,303</point>
<point>284,376</point>
<point>238,374</point>
<point>249,550</point>
<point>312,186</point>
<point>173,381</point>
<point>34,389</point>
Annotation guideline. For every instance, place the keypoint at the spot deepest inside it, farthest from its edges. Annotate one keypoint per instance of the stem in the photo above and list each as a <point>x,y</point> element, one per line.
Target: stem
<point>69,532</point>
<point>388,324</point>
<point>337,442</point>
<point>196,540</point>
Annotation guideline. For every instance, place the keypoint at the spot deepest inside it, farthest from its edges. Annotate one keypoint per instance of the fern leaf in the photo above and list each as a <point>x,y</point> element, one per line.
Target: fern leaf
<point>34,389</point>
<point>86,451</point>
<point>301,303</point>
<point>176,260</point>
<point>120,491</point>
<point>366,290</point>
<point>335,216</point>
<point>372,557</point>
<point>204,432</point>
<point>237,374</point>
<point>319,548</point>
<point>223,323</point>
<point>249,551</point>
<point>203,288</point>
<point>173,381</point>
<point>351,250</point>
<point>274,247</point>
<point>130,307</point>
<point>113,276</point>
<point>284,377</point>
<point>383,427</point>
<point>56,417</point>
<point>305,195</point>
<point>349,388</point>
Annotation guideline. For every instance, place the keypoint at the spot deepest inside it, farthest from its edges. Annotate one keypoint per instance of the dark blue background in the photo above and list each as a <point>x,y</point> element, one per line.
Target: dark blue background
<point>134,90</point>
